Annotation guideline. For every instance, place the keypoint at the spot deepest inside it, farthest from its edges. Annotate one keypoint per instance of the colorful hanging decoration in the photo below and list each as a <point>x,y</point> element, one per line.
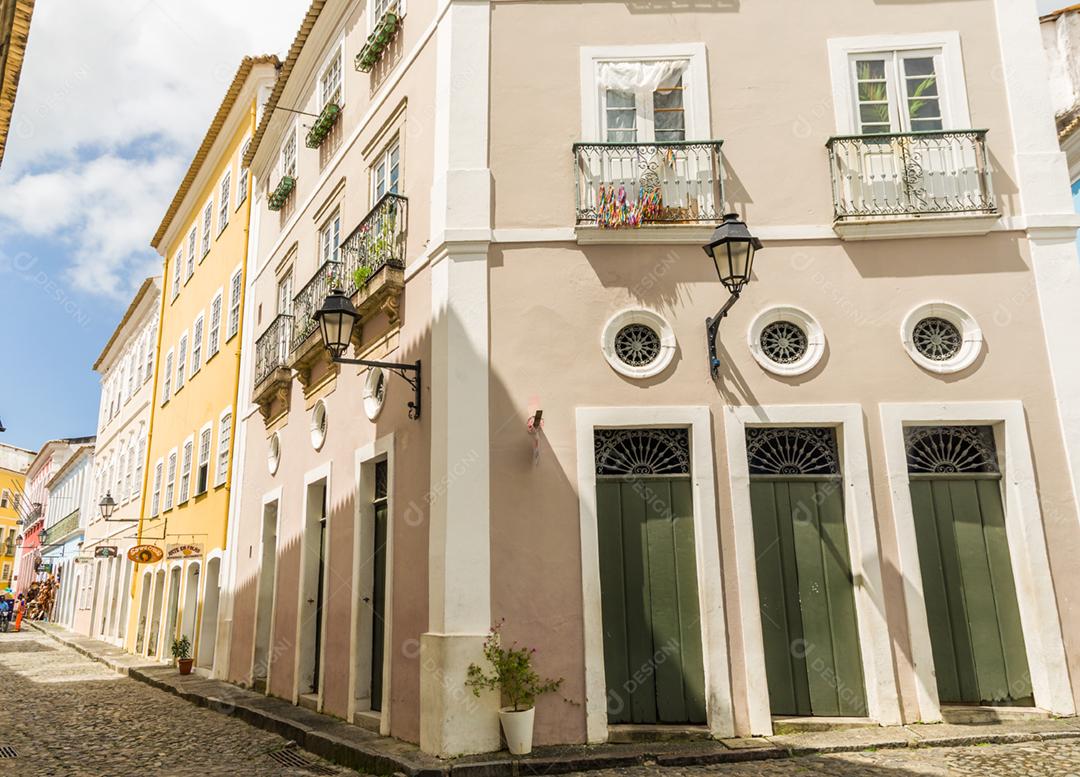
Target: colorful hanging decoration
<point>615,210</point>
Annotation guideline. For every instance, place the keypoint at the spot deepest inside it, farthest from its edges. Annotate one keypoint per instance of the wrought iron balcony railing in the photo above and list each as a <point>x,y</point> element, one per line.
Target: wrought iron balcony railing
<point>906,175</point>
<point>377,242</point>
<point>310,299</point>
<point>272,347</point>
<point>61,528</point>
<point>637,184</point>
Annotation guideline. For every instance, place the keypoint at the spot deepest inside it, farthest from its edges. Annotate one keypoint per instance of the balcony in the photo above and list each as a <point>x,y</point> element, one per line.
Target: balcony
<point>374,258</point>
<point>648,192</point>
<point>305,344</point>
<point>61,529</point>
<point>911,184</point>
<point>272,377</point>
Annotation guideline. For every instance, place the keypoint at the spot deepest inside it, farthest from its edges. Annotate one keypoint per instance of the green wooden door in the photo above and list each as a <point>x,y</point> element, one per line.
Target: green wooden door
<point>651,621</point>
<point>968,588</point>
<point>811,639</point>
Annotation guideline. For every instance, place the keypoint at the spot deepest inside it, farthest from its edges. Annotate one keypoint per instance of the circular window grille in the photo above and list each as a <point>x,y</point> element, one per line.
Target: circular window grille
<point>941,337</point>
<point>637,345</point>
<point>374,392</point>
<point>273,454</point>
<point>318,425</point>
<point>783,342</point>
<point>937,339</point>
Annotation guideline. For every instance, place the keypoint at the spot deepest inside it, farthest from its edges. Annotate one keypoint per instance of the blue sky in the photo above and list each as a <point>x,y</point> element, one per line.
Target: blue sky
<point>114,97</point>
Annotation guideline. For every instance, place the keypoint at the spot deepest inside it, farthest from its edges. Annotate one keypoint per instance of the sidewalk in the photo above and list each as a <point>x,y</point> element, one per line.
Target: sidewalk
<point>366,751</point>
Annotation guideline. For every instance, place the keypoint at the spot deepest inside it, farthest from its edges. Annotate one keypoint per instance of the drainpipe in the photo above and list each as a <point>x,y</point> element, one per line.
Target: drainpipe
<point>237,445</point>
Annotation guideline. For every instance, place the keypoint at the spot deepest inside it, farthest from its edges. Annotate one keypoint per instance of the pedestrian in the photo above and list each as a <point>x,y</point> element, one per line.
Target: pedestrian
<point>20,610</point>
<point>5,613</point>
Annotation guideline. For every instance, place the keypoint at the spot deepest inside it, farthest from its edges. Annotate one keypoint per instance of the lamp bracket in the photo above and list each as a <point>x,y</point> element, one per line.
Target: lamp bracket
<point>712,327</point>
<point>410,373</point>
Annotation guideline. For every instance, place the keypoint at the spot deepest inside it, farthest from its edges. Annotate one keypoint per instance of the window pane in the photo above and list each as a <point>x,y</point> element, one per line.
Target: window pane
<point>925,109</point>
<point>918,66</point>
<point>874,114</point>
<point>620,99</point>
<point>868,69</point>
<point>926,125</point>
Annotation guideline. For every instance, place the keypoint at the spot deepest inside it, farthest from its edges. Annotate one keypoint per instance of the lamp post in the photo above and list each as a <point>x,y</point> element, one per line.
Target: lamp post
<point>732,250</point>
<point>336,319</point>
<point>107,505</point>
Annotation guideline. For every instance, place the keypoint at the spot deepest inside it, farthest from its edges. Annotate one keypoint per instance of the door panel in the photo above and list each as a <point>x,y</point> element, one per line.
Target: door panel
<point>968,587</point>
<point>809,627</point>
<point>378,604</point>
<point>652,631</point>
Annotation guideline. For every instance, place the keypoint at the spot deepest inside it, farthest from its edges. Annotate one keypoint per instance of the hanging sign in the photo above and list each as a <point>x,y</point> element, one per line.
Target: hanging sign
<point>105,551</point>
<point>145,554</point>
<point>43,566</point>
<point>186,550</point>
<point>83,559</point>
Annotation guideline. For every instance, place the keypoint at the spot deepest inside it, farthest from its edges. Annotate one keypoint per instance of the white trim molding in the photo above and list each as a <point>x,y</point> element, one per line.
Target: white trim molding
<point>815,340</point>
<point>957,116</point>
<point>971,337</point>
<point>882,694</point>
<point>646,318</point>
<point>714,639</point>
<point>1027,548</point>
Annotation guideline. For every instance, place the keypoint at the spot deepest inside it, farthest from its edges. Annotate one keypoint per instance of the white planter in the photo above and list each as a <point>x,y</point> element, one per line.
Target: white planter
<point>518,729</point>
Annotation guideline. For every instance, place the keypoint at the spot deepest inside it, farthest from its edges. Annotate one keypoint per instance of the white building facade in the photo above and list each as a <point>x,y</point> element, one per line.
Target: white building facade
<point>126,366</point>
<point>70,501</point>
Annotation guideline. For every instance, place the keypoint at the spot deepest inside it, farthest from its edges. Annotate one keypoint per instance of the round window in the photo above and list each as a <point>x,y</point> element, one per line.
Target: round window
<point>374,392</point>
<point>638,343</point>
<point>783,342</point>
<point>941,337</point>
<point>318,425</point>
<point>937,339</point>
<point>786,341</point>
<point>273,454</point>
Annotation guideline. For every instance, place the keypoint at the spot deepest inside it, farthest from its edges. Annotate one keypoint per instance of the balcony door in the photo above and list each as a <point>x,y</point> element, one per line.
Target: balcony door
<point>284,308</point>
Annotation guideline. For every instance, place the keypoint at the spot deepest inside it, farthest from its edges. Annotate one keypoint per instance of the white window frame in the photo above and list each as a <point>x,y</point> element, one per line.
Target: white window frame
<point>207,218</point>
<point>159,477</point>
<point>338,50</point>
<point>208,428</point>
<point>333,222</point>
<point>5,499</point>
<point>193,239</point>
<point>224,200</point>
<point>140,462</point>
<point>383,157</point>
<point>170,480</point>
<point>198,334</point>
<point>181,361</point>
<point>151,347</point>
<point>213,338</point>
<point>221,473</point>
<point>290,136</point>
<point>187,461</point>
<point>236,296</point>
<point>166,387</point>
<point>178,262</point>
<point>242,174</point>
<point>955,110</point>
<point>695,84</point>
<point>372,5</point>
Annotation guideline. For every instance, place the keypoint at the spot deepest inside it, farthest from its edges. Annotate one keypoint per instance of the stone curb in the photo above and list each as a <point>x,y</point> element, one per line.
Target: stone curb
<point>348,746</point>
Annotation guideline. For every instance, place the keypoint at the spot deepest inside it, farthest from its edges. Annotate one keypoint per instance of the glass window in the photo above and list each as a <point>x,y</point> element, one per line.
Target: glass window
<point>155,499</point>
<point>203,476</point>
<point>235,289</point>
<point>330,83</point>
<point>213,340</point>
<point>170,481</point>
<point>897,91</point>
<point>224,437</point>
<point>178,260</point>
<point>196,345</point>
<point>166,388</point>
<point>330,238</point>
<point>288,155</point>
<point>223,204</point>
<point>242,179</point>
<point>646,117</point>
<point>185,473</point>
<point>387,172</point>
<point>140,460</point>
<point>181,360</point>
<point>208,215</point>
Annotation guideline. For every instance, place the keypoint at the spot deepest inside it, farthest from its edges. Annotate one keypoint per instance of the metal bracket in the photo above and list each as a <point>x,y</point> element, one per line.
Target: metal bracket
<point>401,370</point>
<point>712,328</point>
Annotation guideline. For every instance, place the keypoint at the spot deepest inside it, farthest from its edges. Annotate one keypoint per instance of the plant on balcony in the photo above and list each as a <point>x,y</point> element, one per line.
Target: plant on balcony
<point>321,128</point>
<point>360,276</point>
<point>281,193</point>
<point>385,30</point>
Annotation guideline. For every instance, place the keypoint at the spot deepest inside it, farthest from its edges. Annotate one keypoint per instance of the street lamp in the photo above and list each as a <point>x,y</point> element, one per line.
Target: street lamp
<point>336,319</point>
<point>107,505</point>
<point>732,250</point>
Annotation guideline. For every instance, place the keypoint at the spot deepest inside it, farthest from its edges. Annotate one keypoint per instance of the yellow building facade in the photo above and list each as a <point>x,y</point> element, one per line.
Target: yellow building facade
<point>13,465</point>
<point>203,240</point>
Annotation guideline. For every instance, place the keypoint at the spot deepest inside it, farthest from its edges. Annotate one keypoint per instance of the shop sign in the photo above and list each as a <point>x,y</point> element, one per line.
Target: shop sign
<point>105,551</point>
<point>182,551</point>
<point>145,554</point>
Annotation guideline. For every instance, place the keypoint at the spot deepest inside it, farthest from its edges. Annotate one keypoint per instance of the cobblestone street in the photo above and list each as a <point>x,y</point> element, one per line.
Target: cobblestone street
<point>67,715</point>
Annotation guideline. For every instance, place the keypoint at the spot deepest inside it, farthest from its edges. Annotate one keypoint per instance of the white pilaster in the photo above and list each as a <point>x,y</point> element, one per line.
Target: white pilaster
<point>1042,178</point>
<point>452,721</point>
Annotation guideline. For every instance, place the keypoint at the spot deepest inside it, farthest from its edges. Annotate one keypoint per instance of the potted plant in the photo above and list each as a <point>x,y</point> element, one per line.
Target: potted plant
<point>278,197</point>
<point>512,675</point>
<point>181,651</point>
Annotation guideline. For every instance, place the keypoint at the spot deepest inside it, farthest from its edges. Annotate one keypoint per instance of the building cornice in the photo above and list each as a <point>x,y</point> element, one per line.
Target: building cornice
<point>14,34</point>
<point>80,453</point>
<point>151,283</point>
<point>213,133</point>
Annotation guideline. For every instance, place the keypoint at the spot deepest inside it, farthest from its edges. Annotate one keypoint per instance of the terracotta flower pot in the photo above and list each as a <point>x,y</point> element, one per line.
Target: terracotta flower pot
<point>184,665</point>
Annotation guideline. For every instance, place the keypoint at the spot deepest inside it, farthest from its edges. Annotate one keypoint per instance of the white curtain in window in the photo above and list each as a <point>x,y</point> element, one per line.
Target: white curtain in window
<point>639,76</point>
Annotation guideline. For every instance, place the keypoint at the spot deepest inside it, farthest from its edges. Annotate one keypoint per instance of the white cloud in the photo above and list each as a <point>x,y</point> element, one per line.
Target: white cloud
<point>114,98</point>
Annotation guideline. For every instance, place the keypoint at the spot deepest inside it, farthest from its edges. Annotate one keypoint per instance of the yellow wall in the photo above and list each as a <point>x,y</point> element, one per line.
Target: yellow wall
<point>205,395</point>
<point>14,483</point>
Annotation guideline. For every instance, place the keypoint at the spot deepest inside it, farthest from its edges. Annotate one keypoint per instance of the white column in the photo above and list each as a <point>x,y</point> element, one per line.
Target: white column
<point>1042,178</point>
<point>452,720</point>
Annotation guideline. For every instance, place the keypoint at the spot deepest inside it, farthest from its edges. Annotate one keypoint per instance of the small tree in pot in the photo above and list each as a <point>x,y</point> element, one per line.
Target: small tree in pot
<point>512,674</point>
<point>181,651</point>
